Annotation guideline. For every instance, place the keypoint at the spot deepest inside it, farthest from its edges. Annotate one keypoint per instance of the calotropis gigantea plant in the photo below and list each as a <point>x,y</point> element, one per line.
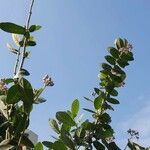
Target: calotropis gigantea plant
<point>73,133</point>
<point>17,98</point>
<point>17,95</point>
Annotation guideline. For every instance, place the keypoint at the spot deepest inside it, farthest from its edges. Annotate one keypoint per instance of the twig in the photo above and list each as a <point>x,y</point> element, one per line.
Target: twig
<point>26,38</point>
<point>17,62</point>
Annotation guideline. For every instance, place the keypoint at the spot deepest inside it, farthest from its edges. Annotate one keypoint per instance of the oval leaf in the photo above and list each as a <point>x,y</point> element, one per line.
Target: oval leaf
<point>38,146</point>
<point>12,28</point>
<point>114,52</point>
<point>47,144</point>
<point>13,95</point>
<point>75,108</point>
<point>119,43</point>
<point>114,93</point>
<point>58,144</point>
<point>98,102</point>
<point>110,59</point>
<point>8,80</point>
<point>113,101</point>
<point>34,28</point>
<point>31,43</point>
<point>39,100</point>
<point>24,72</point>
<point>54,125</point>
<point>65,118</point>
<point>89,110</point>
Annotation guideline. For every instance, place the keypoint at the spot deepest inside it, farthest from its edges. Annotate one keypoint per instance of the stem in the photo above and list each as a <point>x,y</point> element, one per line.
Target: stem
<point>30,13</point>
<point>127,143</point>
<point>17,62</point>
<point>26,38</point>
<point>125,147</point>
<point>23,57</point>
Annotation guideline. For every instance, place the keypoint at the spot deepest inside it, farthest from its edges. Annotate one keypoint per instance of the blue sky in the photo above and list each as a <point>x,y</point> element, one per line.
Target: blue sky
<point>70,47</point>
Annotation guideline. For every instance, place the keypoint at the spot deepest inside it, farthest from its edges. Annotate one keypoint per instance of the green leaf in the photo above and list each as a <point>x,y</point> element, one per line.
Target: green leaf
<point>38,146</point>
<point>26,142</point>
<point>67,140</point>
<point>114,93</point>
<point>13,95</point>
<point>113,101</point>
<point>24,72</point>
<point>105,118</point>
<point>47,144</point>
<point>127,57</point>
<point>107,133</point>
<point>122,63</point>
<point>58,144</point>
<point>98,145</point>
<point>12,28</point>
<point>105,66</point>
<point>27,91</point>
<point>118,70</point>
<point>8,80</point>
<point>54,125</point>
<point>110,59</point>
<point>88,99</point>
<point>65,127</point>
<point>37,93</point>
<point>97,91</point>
<point>75,108</point>
<point>114,52</point>
<point>119,43</point>
<point>130,56</point>
<point>39,100</point>
<point>98,102</point>
<point>20,123</point>
<point>31,43</point>
<point>34,28</point>
<point>27,95</point>
<point>107,106</point>
<point>65,118</point>
<point>21,43</point>
<point>89,110</point>
<point>125,42</point>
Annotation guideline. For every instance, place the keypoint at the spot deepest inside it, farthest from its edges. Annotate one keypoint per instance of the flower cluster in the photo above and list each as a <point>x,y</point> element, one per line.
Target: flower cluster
<point>48,81</point>
<point>133,133</point>
<point>126,49</point>
<point>3,87</point>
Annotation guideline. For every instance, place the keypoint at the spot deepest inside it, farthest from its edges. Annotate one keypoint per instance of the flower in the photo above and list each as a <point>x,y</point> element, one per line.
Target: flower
<point>126,49</point>
<point>48,81</point>
<point>133,133</point>
<point>3,87</point>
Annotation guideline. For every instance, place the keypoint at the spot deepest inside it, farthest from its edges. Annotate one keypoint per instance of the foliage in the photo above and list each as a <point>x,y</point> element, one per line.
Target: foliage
<point>98,133</point>
<point>17,99</point>
<point>17,96</point>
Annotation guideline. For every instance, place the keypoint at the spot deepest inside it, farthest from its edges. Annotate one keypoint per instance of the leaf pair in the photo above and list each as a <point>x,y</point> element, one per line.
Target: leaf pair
<point>17,29</point>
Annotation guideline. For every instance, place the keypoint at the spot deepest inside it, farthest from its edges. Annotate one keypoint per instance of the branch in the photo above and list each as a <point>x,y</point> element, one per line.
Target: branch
<point>26,38</point>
